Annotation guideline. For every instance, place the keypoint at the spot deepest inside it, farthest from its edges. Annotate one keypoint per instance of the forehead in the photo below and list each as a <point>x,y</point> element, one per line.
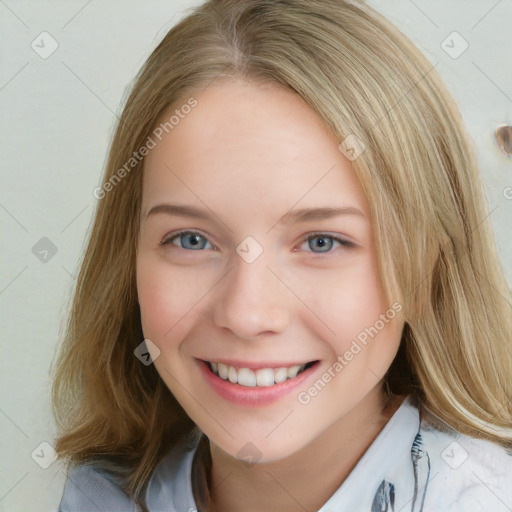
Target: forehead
<point>252,145</point>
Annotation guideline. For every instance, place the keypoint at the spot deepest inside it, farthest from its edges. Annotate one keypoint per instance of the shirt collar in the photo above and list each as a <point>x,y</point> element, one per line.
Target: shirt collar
<point>387,460</point>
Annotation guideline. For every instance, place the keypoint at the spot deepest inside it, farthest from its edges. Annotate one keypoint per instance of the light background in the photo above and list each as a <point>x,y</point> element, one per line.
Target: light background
<point>58,116</point>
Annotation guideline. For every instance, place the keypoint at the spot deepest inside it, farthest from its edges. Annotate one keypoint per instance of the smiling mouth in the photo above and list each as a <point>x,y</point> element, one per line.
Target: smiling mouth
<point>263,377</point>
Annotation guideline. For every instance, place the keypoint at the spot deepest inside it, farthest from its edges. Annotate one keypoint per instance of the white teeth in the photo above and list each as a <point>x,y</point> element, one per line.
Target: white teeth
<point>232,375</point>
<point>246,377</point>
<point>280,375</point>
<point>292,371</point>
<point>265,377</point>
<point>223,370</point>
<point>262,378</point>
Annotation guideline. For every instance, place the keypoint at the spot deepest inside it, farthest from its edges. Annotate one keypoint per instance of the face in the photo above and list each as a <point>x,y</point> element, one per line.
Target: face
<point>257,274</point>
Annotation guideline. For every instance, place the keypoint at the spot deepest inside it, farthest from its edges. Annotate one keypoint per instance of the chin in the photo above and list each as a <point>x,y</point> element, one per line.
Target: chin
<point>251,450</point>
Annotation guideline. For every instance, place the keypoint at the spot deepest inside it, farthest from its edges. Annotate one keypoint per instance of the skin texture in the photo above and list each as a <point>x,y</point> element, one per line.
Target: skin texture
<point>247,154</point>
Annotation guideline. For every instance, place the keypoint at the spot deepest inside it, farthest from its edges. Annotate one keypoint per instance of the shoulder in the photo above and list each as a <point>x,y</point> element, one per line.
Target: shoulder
<point>466,474</point>
<point>88,488</point>
<point>91,488</point>
<point>170,486</point>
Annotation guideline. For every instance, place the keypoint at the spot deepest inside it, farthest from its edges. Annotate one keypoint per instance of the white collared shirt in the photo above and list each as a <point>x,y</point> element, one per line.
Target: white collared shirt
<point>414,465</point>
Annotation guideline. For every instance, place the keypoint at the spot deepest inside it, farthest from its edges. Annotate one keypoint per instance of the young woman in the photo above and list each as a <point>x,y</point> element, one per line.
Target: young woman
<point>290,299</point>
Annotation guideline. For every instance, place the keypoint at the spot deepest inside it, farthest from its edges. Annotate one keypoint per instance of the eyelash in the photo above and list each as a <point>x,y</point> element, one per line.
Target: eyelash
<point>345,243</point>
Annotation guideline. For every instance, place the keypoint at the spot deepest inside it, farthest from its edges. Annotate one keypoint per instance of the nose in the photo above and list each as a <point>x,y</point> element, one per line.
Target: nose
<point>252,301</point>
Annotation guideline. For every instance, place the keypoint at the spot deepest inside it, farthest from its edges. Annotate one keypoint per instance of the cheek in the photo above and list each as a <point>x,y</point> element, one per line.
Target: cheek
<point>351,302</point>
<point>165,297</point>
<point>350,298</point>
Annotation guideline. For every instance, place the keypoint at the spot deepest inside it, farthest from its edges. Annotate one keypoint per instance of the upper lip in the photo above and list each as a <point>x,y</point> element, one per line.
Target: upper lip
<point>253,365</point>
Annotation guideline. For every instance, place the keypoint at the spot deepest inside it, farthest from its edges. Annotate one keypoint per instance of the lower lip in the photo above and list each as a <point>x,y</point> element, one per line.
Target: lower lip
<point>254,396</point>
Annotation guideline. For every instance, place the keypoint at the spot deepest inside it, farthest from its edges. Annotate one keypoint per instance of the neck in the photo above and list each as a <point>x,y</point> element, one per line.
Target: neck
<point>306,479</point>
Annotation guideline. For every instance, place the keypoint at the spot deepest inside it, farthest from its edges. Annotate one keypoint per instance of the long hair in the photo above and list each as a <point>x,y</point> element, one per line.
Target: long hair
<point>435,248</point>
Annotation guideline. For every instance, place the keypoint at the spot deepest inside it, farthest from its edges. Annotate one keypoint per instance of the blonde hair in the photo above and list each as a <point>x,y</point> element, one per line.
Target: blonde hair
<point>434,242</point>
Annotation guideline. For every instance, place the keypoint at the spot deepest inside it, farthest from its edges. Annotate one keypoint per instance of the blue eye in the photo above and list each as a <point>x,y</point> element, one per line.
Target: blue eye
<point>324,243</point>
<point>189,240</point>
<point>318,243</point>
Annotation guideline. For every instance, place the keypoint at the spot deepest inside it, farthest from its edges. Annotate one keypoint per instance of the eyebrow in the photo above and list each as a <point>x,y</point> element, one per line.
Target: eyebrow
<point>291,217</point>
<point>310,214</point>
<point>179,210</point>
